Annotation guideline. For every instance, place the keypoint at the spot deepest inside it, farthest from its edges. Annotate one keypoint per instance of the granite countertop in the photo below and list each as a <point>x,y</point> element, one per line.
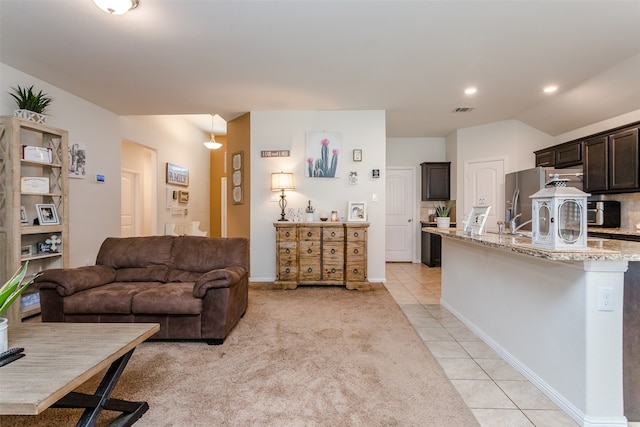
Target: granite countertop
<point>618,231</point>
<point>597,249</point>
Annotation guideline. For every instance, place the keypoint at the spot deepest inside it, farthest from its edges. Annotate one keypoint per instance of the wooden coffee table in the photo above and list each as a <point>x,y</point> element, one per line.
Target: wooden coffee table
<point>62,356</point>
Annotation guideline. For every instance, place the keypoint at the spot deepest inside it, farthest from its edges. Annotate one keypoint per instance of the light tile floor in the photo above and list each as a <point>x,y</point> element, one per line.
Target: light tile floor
<point>496,393</point>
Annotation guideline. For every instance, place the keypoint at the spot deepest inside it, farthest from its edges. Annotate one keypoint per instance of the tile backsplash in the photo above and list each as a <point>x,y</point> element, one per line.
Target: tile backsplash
<point>629,208</point>
<point>427,207</point>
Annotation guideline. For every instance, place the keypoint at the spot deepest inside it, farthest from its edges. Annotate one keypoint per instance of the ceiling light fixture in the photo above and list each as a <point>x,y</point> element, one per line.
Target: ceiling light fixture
<point>470,90</point>
<point>211,144</point>
<point>550,89</point>
<point>116,7</point>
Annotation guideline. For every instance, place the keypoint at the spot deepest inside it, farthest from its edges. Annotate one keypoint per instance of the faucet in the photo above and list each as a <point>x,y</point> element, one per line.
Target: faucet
<point>513,227</point>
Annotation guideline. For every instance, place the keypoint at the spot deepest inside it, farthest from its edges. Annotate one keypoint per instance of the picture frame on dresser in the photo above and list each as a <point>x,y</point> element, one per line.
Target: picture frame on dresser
<point>357,211</point>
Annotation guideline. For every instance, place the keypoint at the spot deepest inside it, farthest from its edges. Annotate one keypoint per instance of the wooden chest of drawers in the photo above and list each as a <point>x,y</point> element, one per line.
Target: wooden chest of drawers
<point>319,253</point>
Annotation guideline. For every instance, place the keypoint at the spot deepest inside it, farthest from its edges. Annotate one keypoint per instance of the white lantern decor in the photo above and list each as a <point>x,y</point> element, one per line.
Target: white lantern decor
<point>559,217</point>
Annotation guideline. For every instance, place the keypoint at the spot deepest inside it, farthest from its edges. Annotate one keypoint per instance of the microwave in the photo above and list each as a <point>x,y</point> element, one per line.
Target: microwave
<point>604,213</point>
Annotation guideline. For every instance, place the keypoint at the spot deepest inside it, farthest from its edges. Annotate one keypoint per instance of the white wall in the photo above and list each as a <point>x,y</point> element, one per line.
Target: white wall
<point>286,130</point>
<point>624,119</point>
<point>95,208</point>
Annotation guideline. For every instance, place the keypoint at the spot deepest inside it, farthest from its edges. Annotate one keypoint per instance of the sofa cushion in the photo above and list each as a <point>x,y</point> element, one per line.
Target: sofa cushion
<point>127,252</point>
<point>167,298</point>
<point>111,298</point>
<point>202,254</point>
<point>146,274</point>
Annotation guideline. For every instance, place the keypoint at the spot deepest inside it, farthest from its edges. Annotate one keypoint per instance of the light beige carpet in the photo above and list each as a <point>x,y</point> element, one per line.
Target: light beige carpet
<point>314,356</point>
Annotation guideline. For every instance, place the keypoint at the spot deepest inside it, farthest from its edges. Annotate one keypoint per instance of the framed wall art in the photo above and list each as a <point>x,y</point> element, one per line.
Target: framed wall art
<point>237,181</point>
<point>357,211</point>
<point>323,154</point>
<point>177,175</point>
<point>77,160</point>
<point>357,155</point>
<point>47,214</point>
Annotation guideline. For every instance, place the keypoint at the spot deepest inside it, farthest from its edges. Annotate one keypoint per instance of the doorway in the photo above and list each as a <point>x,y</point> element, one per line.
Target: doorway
<point>138,190</point>
<point>484,184</point>
<point>400,227</point>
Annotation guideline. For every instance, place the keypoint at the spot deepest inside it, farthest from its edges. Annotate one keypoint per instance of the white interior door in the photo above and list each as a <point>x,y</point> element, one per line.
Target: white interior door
<point>400,211</point>
<point>484,181</point>
<point>130,221</point>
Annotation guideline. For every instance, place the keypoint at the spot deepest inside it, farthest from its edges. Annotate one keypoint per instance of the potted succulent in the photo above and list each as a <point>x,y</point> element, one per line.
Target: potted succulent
<point>9,292</point>
<point>442,215</point>
<point>31,105</point>
<point>309,210</point>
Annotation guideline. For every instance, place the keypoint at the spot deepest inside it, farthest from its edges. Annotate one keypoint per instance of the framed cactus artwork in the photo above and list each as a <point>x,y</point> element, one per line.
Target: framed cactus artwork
<point>323,154</point>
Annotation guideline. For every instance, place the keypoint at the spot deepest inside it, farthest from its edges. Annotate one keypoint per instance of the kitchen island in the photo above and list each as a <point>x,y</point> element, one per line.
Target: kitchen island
<point>556,316</point>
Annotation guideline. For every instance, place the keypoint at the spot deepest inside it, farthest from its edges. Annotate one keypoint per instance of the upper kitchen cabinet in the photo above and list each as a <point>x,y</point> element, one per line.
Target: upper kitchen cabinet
<point>436,181</point>
<point>612,162</point>
<point>560,156</point>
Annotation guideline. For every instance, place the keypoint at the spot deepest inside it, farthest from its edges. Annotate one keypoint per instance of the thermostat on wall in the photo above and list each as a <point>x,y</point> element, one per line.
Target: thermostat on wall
<point>100,179</point>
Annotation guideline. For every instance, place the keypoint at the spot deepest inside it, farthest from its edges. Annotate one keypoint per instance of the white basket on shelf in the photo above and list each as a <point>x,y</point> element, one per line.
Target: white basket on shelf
<point>30,115</point>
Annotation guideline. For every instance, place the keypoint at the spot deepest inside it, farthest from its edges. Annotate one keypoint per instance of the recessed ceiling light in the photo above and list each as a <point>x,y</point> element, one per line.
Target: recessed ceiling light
<point>470,90</point>
<point>550,89</point>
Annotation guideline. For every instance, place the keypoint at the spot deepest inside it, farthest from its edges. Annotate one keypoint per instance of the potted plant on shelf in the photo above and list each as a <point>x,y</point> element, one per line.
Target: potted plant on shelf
<point>31,105</point>
<point>9,292</point>
<point>309,210</point>
<point>442,215</point>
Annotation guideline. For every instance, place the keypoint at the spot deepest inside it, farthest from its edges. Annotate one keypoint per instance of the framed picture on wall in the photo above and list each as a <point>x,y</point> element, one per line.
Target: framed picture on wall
<point>237,184</point>
<point>357,211</point>
<point>177,175</point>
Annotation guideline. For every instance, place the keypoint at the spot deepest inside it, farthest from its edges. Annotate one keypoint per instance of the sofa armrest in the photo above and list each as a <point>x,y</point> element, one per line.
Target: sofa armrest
<point>67,281</point>
<point>220,278</point>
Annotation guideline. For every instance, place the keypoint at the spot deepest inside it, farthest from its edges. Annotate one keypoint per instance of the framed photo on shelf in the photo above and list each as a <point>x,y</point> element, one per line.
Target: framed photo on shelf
<point>47,214</point>
<point>23,216</point>
<point>357,211</point>
<point>25,251</point>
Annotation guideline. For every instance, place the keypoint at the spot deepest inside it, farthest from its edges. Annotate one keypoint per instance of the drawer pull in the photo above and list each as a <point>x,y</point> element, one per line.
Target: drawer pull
<point>309,250</point>
<point>333,234</point>
<point>355,271</point>
<point>287,234</point>
<point>287,251</point>
<point>333,270</point>
<point>355,251</point>
<point>309,234</point>
<point>333,251</point>
<point>309,270</point>
<point>355,234</point>
<point>287,270</point>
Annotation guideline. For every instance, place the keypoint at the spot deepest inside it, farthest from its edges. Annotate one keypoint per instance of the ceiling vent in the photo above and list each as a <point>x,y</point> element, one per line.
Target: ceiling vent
<point>463,109</point>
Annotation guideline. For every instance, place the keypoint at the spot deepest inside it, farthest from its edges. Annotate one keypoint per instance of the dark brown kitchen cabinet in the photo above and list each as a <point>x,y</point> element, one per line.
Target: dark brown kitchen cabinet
<point>436,181</point>
<point>546,157</point>
<point>560,156</point>
<point>612,162</point>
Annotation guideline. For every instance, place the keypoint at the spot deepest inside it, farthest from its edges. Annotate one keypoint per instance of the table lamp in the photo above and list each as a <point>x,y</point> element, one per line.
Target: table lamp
<point>281,181</point>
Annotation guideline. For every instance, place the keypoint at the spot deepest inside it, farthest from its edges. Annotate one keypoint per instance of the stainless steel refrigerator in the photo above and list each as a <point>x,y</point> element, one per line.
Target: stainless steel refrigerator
<point>518,186</point>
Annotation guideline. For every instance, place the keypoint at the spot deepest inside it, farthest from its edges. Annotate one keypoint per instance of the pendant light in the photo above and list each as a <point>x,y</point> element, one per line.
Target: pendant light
<point>116,7</point>
<point>211,144</point>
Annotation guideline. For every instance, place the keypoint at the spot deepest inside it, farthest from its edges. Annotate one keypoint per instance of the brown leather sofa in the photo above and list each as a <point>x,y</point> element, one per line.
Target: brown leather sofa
<point>196,288</point>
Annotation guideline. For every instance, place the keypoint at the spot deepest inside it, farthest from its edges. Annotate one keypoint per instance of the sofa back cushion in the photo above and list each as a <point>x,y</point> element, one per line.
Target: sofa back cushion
<point>195,254</point>
<point>136,252</point>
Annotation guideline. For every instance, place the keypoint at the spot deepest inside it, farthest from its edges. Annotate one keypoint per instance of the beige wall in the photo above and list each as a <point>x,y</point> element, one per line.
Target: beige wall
<point>217,172</point>
<point>239,139</point>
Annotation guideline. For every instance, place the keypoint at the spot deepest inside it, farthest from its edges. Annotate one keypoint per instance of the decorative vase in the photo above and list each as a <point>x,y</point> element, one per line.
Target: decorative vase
<point>309,216</point>
<point>30,115</point>
<point>443,221</point>
<point>4,335</point>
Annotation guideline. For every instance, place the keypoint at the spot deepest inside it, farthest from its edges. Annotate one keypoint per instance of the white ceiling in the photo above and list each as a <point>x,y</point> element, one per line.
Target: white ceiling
<point>410,58</point>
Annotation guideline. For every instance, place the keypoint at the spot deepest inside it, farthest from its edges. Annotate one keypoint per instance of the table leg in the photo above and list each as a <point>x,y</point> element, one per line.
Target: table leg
<point>94,404</point>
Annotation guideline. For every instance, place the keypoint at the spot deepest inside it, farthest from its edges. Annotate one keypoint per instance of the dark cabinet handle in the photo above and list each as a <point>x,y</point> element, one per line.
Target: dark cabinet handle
<point>355,251</point>
<point>287,234</point>
<point>355,234</point>
<point>333,234</point>
<point>333,251</point>
<point>287,251</point>
<point>309,234</point>
<point>309,270</point>
<point>287,270</point>
<point>309,251</point>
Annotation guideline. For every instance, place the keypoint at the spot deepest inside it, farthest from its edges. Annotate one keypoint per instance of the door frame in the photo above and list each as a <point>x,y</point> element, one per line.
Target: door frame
<point>137,205</point>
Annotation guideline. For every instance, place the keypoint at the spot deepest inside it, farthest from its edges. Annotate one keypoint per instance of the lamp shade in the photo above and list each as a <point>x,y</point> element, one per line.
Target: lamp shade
<point>116,7</point>
<point>212,144</point>
<point>282,181</point>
